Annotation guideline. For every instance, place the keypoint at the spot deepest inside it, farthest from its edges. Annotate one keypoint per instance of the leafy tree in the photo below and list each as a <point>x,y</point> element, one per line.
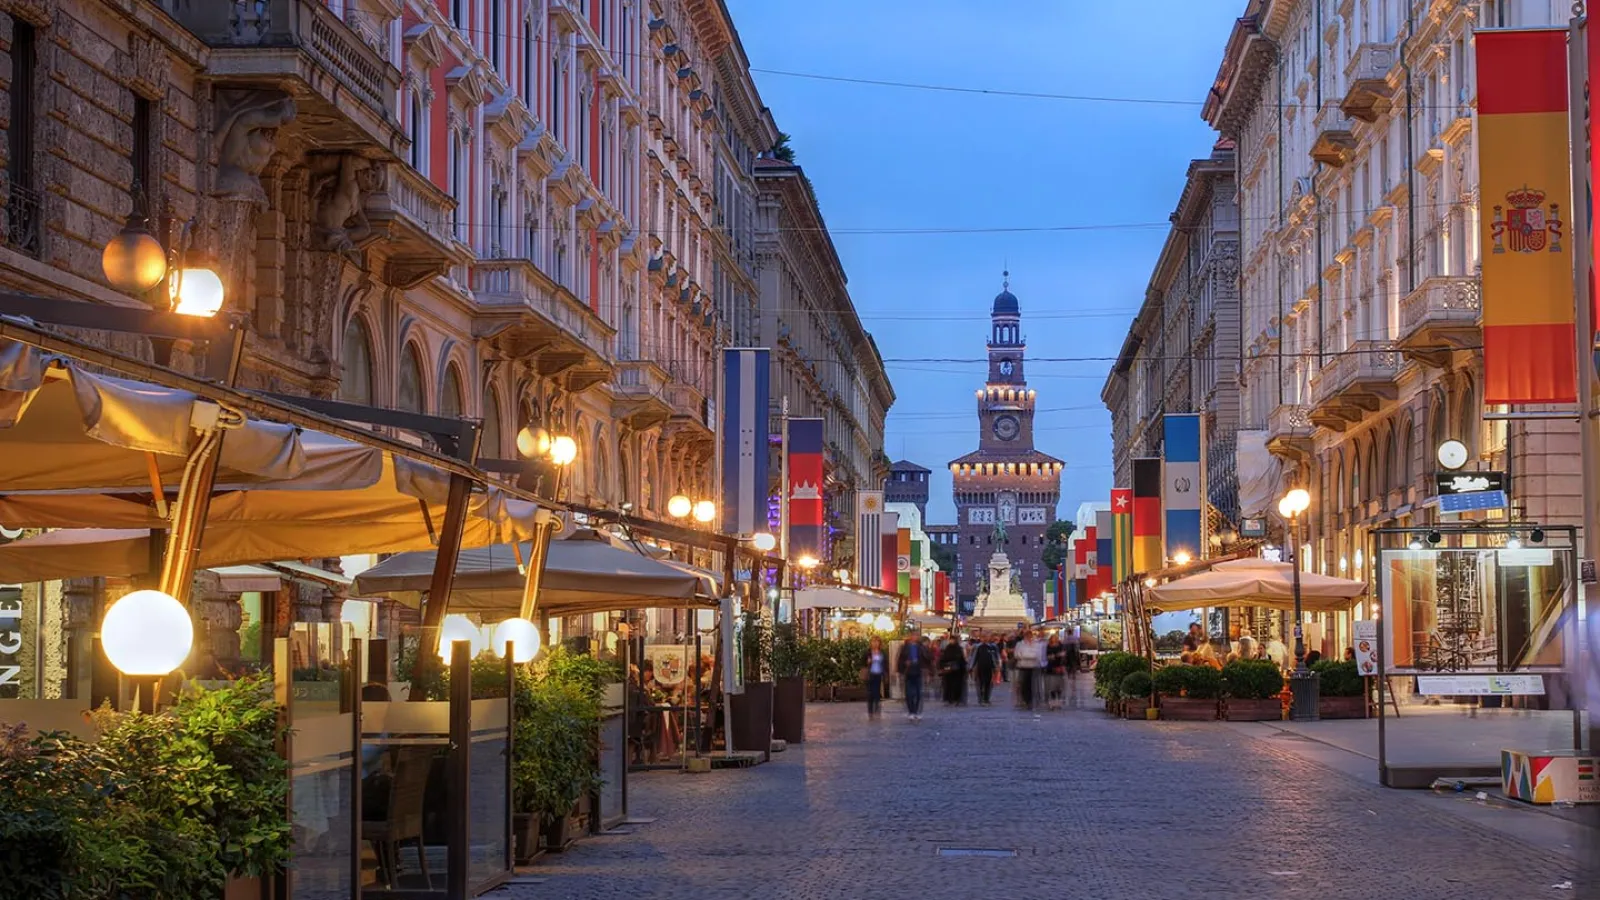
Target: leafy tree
<point>944,556</point>
<point>781,150</point>
<point>1055,543</point>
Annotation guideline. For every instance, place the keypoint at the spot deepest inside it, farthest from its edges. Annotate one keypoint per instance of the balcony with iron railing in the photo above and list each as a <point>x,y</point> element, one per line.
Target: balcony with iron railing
<point>640,390</point>
<point>345,89</point>
<point>1443,314</point>
<point>1289,431</point>
<point>1370,93</point>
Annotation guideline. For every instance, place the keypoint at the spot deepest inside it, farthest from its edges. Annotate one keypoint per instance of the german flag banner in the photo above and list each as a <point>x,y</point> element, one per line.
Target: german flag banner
<point>1147,515</point>
<point>1525,180</point>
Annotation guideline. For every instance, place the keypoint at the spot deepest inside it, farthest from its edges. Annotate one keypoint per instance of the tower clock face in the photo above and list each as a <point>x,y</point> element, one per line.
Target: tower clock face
<point>1006,367</point>
<point>1006,428</point>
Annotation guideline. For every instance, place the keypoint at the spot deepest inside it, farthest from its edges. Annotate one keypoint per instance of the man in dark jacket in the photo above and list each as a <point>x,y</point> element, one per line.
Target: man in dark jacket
<point>953,669</point>
<point>913,662</point>
<point>985,659</point>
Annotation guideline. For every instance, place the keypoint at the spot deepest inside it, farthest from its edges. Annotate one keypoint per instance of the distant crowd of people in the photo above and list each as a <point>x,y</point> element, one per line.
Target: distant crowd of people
<point>1039,667</point>
<point>1200,650</point>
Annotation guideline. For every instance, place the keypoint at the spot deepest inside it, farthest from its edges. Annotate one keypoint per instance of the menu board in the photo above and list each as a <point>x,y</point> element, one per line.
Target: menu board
<point>1365,635</point>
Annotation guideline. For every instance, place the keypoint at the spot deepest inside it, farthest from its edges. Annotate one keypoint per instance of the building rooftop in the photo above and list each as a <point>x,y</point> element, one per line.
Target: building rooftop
<point>906,465</point>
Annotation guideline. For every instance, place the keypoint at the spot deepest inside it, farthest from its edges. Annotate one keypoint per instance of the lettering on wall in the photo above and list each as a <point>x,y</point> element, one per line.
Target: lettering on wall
<point>10,640</point>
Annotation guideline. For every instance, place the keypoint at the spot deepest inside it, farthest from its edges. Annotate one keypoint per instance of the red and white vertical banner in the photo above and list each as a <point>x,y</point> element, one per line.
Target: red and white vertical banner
<point>802,443</point>
<point>889,551</point>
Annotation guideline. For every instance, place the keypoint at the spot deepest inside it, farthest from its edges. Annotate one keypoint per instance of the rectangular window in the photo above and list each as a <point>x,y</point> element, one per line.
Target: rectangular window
<point>494,34</point>
<point>139,153</point>
<point>23,230</point>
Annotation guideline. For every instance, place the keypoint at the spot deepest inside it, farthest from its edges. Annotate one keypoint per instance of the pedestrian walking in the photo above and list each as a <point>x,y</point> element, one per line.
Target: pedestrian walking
<point>874,667</point>
<point>914,661</point>
<point>1055,671</point>
<point>985,662</point>
<point>953,669</point>
<point>1030,659</point>
<point>1074,663</point>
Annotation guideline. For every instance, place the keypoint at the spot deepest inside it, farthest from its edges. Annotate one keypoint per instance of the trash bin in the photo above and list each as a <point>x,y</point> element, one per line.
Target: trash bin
<point>1307,690</point>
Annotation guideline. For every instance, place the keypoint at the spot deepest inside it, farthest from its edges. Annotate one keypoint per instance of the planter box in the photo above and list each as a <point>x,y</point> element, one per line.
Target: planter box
<point>752,717</point>
<point>525,833</point>
<point>849,693</point>
<point>789,710</point>
<point>1268,710</point>
<point>1134,709</point>
<point>1188,709</point>
<point>559,834</point>
<point>1342,707</point>
<point>244,889</point>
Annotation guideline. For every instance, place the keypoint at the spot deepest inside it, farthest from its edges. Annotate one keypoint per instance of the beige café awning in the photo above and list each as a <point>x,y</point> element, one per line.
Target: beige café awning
<point>825,597</point>
<point>1254,582</point>
<point>584,573</point>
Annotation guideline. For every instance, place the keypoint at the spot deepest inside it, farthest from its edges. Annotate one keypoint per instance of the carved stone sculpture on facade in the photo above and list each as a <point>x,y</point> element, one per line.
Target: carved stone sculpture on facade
<point>340,183</point>
<point>247,136</point>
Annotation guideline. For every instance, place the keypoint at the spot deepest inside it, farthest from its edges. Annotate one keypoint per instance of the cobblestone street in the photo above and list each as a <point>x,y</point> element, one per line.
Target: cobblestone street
<point>1093,807</point>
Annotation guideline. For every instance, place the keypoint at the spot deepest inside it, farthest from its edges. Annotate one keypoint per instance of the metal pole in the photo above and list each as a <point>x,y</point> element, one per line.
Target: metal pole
<point>1582,262</point>
<point>1299,633</point>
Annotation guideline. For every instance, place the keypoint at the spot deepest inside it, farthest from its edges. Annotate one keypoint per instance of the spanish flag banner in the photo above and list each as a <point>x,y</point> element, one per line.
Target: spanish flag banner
<point>1147,523</point>
<point>1526,188</point>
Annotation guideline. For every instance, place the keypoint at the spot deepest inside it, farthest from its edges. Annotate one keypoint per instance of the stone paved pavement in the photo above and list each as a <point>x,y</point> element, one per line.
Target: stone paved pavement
<point>1096,808</point>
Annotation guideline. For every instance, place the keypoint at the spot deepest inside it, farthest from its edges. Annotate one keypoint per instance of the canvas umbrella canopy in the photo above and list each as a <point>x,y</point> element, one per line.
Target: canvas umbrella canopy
<point>1254,582</point>
<point>825,597</point>
<point>584,573</point>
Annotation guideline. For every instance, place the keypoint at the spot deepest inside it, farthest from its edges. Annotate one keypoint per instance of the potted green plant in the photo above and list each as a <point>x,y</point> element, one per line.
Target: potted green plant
<point>847,656</point>
<point>1343,695</point>
<point>1188,693</point>
<point>1109,671</point>
<point>752,708</point>
<point>789,680</point>
<point>554,766</point>
<point>1251,687</point>
<point>1135,692</point>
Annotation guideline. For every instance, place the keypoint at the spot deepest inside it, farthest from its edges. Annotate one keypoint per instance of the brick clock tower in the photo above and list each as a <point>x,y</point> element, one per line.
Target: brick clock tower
<point>1005,481</point>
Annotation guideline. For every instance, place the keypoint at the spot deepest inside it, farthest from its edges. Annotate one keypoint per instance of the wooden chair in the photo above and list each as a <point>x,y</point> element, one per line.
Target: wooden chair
<point>402,821</point>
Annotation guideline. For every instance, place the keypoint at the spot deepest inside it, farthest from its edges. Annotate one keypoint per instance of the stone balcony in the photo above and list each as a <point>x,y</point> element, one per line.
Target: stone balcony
<point>1289,431</point>
<point>418,216</point>
<point>1333,144</point>
<point>1444,314</point>
<point>344,89</point>
<point>1353,383</point>
<point>640,394</point>
<point>523,314</point>
<point>1370,92</point>
<point>689,410</point>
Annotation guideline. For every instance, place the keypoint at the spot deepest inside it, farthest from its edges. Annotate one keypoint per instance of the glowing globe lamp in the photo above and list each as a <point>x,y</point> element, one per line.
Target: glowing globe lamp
<point>521,634</point>
<point>865,619</point>
<point>679,506</point>
<point>883,622</point>
<point>563,450</point>
<point>764,542</point>
<point>147,633</point>
<point>200,293</point>
<point>457,627</point>
<point>705,511</point>
<point>134,261</point>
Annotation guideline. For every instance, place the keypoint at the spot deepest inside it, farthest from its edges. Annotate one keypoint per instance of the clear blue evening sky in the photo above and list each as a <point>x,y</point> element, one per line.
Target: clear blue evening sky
<point>895,158</point>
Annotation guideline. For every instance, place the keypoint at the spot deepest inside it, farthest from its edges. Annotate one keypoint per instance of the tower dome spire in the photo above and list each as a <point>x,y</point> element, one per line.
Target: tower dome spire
<point>1005,302</point>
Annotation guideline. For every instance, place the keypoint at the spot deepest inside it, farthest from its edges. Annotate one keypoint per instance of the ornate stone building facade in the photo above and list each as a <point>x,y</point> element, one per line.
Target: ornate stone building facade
<point>1358,189</point>
<point>1182,353</point>
<point>519,211</point>
<point>824,363</point>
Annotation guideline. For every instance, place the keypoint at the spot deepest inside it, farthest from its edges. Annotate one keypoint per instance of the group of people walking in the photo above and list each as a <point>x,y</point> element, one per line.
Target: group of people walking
<point>1039,667</point>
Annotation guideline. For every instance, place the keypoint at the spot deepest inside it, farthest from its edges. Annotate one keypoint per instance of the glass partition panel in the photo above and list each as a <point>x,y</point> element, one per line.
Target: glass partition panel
<point>489,784</point>
<point>322,765</point>
<point>405,750</point>
<point>320,661</point>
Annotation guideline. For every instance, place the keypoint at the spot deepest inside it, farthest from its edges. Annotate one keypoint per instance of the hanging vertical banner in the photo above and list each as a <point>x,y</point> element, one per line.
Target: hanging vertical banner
<point>889,551</point>
<point>1079,548</point>
<point>745,375</point>
<point>869,546</point>
<point>1121,534</point>
<point>917,594</point>
<point>902,562</point>
<point>1591,45</point>
<point>1183,484</point>
<point>1091,555</point>
<point>941,592</point>
<point>1052,600</point>
<point>803,443</point>
<point>1147,515</point>
<point>1525,182</point>
<point>1107,559</point>
<point>1060,575</point>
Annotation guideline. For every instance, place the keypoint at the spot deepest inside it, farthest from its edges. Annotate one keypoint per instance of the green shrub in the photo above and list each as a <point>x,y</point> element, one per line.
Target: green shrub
<point>1337,678</point>
<point>165,806</point>
<point>789,658</point>
<point>1252,679</point>
<point>1111,668</point>
<point>554,739</point>
<point>1197,682</point>
<point>1135,685</point>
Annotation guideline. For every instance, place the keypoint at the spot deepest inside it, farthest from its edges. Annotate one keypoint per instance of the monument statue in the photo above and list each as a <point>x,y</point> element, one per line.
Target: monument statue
<point>999,533</point>
<point>1000,603</point>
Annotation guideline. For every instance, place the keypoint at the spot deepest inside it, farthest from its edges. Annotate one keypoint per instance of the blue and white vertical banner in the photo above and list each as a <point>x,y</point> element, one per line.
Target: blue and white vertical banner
<point>869,540</point>
<point>745,396</point>
<point>1183,485</point>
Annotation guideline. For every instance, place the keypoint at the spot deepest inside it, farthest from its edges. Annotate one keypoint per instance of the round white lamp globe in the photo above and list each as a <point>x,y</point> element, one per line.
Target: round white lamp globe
<point>764,542</point>
<point>883,622</point>
<point>521,634</point>
<point>679,506</point>
<point>147,633</point>
<point>705,511</point>
<point>457,627</point>
<point>563,450</point>
<point>865,618</point>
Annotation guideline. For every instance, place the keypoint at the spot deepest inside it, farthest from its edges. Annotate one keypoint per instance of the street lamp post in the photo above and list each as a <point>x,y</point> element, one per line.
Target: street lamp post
<point>1302,682</point>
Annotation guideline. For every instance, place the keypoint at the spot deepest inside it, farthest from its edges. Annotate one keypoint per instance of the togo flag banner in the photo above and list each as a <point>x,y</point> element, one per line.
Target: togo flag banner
<point>1525,182</point>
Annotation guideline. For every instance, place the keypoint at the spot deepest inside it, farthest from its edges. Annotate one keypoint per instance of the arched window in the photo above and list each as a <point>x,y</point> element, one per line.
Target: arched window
<point>490,443</point>
<point>408,391</point>
<point>1354,498</point>
<point>355,380</point>
<point>602,464</point>
<point>1403,457</point>
<point>450,401</point>
<point>419,130</point>
<point>1468,431</point>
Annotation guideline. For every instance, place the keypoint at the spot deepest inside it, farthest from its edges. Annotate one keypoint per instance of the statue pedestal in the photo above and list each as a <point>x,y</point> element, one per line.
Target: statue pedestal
<point>1001,607</point>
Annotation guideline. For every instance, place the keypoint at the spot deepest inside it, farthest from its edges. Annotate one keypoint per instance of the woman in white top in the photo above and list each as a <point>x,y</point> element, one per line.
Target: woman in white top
<point>873,669</point>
